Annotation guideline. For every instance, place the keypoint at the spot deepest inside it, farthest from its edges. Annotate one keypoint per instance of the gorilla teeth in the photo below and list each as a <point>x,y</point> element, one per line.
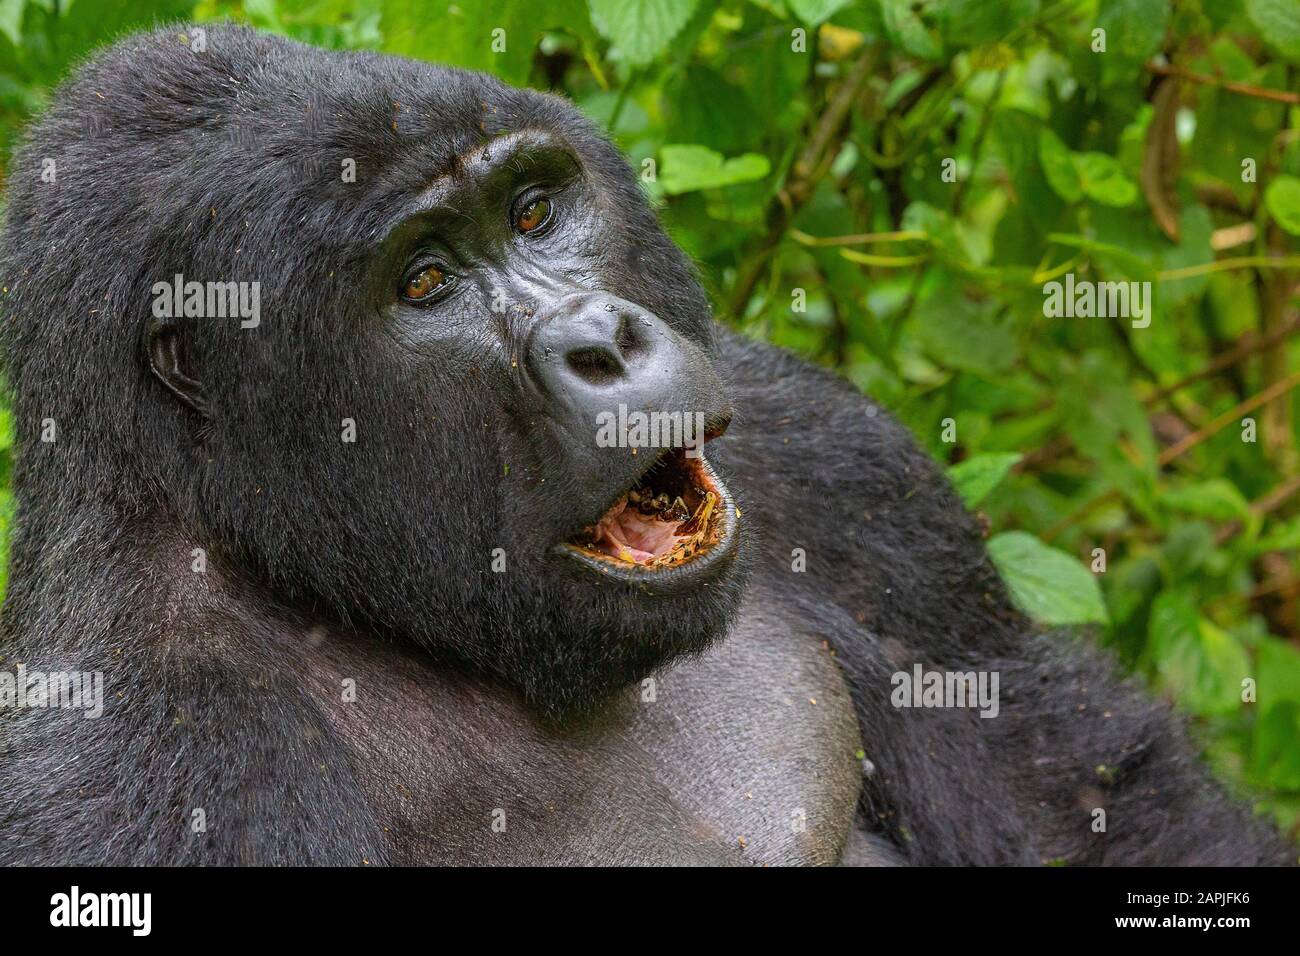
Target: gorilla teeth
<point>668,518</point>
<point>700,520</point>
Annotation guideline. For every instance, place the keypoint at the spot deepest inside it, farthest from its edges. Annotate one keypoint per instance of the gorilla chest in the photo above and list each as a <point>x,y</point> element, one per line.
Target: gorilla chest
<point>745,754</point>
<point>758,741</point>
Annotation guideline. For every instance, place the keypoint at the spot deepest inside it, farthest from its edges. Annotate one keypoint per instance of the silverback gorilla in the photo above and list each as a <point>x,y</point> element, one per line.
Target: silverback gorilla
<point>364,586</point>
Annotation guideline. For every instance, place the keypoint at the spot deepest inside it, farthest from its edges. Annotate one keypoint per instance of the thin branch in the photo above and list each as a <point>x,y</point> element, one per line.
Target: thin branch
<point>860,238</point>
<point>1244,89</point>
<point>1248,346</point>
<point>1219,196</point>
<point>883,262</point>
<point>1226,265</point>
<point>1182,447</point>
<point>1278,388</point>
<point>1264,505</point>
<point>977,145</point>
<point>805,173</point>
<point>1270,502</point>
<point>836,113</point>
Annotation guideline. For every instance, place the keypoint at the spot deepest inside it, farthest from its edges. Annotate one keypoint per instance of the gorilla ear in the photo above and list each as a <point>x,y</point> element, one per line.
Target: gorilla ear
<point>171,366</point>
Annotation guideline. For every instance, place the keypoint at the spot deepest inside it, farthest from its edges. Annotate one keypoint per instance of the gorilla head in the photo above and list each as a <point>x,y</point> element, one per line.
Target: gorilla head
<point>351,324</point>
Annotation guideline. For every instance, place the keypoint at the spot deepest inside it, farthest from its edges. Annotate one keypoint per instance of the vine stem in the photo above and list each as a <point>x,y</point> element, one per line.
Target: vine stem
<point>1226,265</point>
<point>1243,89</point>
<point>806,172</point>
<point>1180,448</point>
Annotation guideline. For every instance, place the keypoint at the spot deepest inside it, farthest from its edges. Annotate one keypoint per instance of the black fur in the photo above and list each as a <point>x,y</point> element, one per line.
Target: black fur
<point>371,560</point>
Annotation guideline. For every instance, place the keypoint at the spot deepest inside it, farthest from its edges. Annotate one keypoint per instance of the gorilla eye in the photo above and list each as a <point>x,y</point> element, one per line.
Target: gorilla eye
<point>533,215</point>
<point>424,283</point>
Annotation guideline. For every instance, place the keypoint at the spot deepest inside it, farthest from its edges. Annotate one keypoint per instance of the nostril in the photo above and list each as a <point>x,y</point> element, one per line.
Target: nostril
<point>626,338</point>
<point>594,365</point>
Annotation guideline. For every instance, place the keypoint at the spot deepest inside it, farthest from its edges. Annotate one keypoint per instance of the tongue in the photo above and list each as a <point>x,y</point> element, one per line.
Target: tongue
<point>632,536</point>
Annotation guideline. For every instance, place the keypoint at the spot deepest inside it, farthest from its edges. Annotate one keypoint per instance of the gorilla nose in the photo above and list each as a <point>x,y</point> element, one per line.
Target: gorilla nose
<point>601,347</point>
<point>593,353</point>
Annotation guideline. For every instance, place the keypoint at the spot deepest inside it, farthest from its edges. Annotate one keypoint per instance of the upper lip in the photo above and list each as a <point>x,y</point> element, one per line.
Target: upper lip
<point>714,427</point>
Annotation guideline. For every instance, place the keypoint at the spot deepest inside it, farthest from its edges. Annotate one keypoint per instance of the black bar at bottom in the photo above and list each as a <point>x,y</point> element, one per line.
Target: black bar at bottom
<point>298,905</point>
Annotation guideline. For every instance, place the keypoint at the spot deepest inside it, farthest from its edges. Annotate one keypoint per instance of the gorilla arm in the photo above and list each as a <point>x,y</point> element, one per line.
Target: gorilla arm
<point>896,576</point>
<point>208,751</point>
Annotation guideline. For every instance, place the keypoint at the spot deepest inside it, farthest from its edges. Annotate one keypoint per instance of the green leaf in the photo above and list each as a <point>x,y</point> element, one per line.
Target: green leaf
<point>1109,426</point>
<point>1048,585</point>
<point>1283,201</point>
<point>1284,537</point>
<point>640,29</point>
<point>974,22</point>
<point>1203,664</point>
<point>1058,166</point>
<point>908,32</point>
<point>496,36</point>
<point>11,20</point>
<point>814,12</point>
<point>1274,756</point>
<point>1187,549</point>
<point>1279,672</point>
<point>1104,181</point>
<point>1217,498</point>
<point>965,336</point>
<point>977,476</point>
<point>688,167</point>
<point>1278,24</point>
<point>1134,31</point>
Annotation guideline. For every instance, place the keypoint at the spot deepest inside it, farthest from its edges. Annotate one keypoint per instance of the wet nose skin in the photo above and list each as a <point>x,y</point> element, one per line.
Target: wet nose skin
<point>593,353</point>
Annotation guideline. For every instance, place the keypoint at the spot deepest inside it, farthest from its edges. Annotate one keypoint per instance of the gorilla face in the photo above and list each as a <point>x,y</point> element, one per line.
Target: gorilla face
<point>414,438</point>
<point>519,303</point>
<point>500,270</point>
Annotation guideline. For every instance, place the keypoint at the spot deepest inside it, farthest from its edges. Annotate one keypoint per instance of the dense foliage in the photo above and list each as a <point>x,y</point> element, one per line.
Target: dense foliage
<point>891,187</point>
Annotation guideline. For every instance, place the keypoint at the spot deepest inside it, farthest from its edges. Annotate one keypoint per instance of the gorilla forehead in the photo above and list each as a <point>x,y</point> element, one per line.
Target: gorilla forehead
<point>279,91</point>
<point>261,124</point>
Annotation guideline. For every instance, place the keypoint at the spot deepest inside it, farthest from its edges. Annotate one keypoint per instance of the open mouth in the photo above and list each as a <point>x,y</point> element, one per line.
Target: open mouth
<point>674,515</point>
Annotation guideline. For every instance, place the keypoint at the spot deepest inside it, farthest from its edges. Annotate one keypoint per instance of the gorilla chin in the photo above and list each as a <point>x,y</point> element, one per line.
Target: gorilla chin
<point>668,561</point>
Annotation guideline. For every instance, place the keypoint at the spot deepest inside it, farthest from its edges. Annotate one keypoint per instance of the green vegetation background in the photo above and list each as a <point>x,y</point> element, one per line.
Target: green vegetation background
<point>885,186</point>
